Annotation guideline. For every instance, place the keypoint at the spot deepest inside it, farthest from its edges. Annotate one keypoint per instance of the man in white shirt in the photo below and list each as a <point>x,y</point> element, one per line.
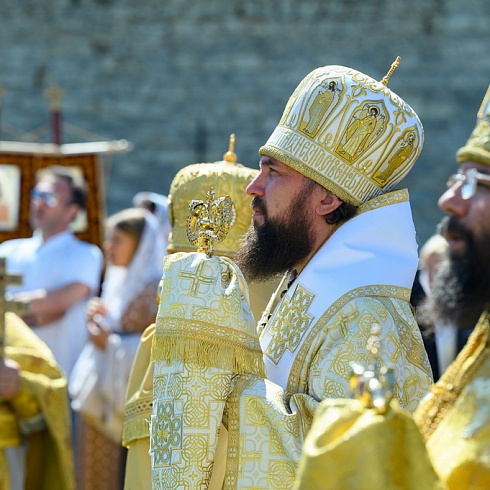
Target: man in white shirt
<point>60,272</point>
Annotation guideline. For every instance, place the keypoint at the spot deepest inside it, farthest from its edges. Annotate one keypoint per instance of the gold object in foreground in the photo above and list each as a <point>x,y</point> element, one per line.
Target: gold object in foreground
<point>208,222</point>
<point>6,305</point>
<point>227,178</point>
<point>373,386</point>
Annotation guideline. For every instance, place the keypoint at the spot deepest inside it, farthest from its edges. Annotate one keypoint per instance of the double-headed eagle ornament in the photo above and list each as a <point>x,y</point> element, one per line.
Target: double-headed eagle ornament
<point>209,222</point>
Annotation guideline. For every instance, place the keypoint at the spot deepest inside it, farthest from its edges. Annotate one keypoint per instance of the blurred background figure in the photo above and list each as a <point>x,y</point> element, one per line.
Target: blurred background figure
<point>134,253</point>
<point>438,339</point>
<point>60,272</point>
<point>432,253</point>
<point>35,431</point>
<point>158,205</point>
<point>4,210</point>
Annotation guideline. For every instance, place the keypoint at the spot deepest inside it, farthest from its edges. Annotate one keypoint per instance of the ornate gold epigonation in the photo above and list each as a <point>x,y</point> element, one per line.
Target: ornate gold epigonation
<point>209,222</point>
<point>394,66</point>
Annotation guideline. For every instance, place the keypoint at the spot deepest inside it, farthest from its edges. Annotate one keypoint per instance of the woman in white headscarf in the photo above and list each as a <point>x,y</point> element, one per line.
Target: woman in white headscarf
<point>158,205</point>
<point>134,253</point>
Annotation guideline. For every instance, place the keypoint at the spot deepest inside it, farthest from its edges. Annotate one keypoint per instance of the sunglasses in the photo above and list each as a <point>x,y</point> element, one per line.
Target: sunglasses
<point>469,179</point>
<point>51,199</point>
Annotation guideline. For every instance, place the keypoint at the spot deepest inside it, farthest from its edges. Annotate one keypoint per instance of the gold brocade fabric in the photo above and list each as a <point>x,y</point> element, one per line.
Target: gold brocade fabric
<point>43,389</point>
<point>9,428</point>
<point>204,316</point>
<point>9,436</point>
<point>267,425</point>
<point>204,373</point>
<point>455,417</point>
<point>350,446</point>
<point>200,344</point>
<point>136,429</point>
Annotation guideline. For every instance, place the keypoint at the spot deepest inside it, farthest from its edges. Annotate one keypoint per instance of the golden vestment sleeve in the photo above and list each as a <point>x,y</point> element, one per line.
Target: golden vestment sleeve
<point>205,335</point>
<point>267,425</point>
<point>344,339</point>
<point>44,389</point>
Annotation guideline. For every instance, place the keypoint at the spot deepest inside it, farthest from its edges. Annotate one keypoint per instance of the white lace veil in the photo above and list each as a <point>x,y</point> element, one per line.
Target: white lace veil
<point>160,203</point>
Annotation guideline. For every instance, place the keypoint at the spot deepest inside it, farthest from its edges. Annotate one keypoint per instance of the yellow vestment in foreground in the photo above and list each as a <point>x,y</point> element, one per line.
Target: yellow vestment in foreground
<point>351,446</point>
<point>43,399</point>
<point>455,417</point>
<point>445,445</point>
<point>205,336</point>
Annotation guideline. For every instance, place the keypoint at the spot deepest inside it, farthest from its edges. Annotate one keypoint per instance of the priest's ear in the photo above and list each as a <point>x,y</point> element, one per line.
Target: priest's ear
<point>333,209</point>
<point>328,202</point>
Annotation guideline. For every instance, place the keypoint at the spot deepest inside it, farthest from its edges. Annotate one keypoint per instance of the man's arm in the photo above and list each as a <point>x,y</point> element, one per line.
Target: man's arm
<point>47,306</point>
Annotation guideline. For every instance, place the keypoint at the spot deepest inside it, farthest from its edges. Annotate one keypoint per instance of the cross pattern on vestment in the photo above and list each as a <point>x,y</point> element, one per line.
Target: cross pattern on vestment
<point>197,278</point>
<point>6,305</point>
<point>166,433</point>
<point>293,323</point>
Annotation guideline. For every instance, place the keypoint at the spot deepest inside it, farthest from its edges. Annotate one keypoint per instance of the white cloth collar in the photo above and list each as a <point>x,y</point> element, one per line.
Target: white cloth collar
<point>375,248</point>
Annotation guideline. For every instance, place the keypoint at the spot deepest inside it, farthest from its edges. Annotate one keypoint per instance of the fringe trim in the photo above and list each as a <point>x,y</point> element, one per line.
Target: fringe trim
<point>204,352</point>
<point>137,415</point>
<point>137,427</point>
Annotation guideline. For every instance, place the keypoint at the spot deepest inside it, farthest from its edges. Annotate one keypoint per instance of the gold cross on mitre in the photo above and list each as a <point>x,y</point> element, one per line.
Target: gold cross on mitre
<point>5,304</point>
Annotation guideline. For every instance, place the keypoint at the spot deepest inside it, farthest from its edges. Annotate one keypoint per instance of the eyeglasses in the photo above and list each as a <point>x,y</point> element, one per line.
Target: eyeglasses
<point>50,198</point>
<point>469,179</point>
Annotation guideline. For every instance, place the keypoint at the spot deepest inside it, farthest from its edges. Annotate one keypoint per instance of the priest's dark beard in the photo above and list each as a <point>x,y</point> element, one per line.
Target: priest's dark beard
<point>277,245</point>
<point>461,287</point>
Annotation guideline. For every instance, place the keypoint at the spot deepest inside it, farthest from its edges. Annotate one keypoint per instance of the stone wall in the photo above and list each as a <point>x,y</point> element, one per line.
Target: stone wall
<point>177,77</point>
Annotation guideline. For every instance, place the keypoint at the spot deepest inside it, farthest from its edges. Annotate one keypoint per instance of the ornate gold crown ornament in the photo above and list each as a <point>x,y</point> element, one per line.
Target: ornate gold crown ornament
<point>227,178</point>
<point>209,222</point>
